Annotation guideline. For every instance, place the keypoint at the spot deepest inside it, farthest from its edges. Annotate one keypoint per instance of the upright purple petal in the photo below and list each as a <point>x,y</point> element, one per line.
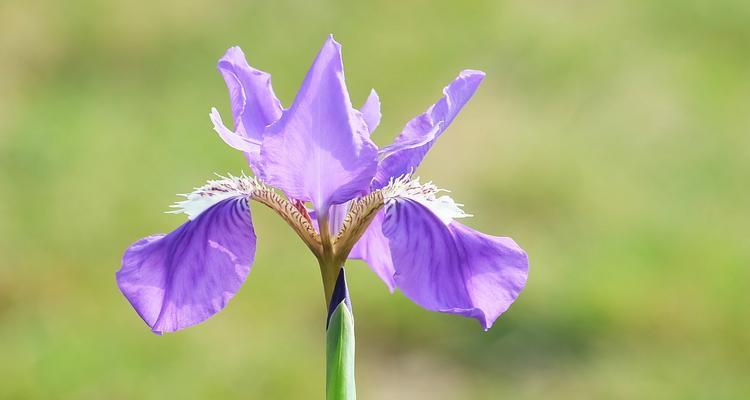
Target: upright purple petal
<point>180,279</point>
<point>253,102</point>
<point>407,151</point>
<point>374,249</point>
<point>371,111</point>
<point>452,268</point>
<point>320,149</point>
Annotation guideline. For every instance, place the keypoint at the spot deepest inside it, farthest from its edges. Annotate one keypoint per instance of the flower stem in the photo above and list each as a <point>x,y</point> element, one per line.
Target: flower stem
<point>339,321</point>
<point>340,344</point>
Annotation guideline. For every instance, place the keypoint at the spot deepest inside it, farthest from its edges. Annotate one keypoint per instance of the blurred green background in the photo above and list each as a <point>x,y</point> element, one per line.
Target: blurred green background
<point>610,139</point>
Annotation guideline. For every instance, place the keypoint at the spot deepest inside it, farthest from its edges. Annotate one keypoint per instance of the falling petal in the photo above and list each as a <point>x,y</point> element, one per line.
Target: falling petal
<point>180,279</point>
<point>449,267</point>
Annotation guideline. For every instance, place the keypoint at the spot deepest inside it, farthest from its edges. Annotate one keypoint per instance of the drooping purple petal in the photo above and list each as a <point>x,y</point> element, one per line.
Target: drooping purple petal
<point>373,248</point>
<point>253,102</point>
<point>320,149</point>
<point>371,111</point>
<point>180,279</point>
<point>407,151</point>
<point>452,268</point>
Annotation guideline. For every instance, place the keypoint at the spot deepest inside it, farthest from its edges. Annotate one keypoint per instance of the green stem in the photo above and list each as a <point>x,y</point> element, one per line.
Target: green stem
<point>339,322</point>
<point>340,344</point>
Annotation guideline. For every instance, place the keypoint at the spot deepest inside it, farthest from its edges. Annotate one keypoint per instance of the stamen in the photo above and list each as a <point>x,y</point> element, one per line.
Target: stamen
<point>214,191</point>
<point>426,194</point>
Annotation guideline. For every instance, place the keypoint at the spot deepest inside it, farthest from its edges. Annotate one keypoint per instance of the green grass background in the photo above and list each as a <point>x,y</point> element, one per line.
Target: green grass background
<point>610,139</point>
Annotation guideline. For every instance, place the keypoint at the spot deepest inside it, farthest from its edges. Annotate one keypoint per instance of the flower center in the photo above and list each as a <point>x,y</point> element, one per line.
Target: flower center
<point>328,249</point>
<point>215,191</point>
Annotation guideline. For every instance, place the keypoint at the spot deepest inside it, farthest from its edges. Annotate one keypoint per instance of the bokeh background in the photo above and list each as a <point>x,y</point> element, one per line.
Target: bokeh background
<point>610,139</point>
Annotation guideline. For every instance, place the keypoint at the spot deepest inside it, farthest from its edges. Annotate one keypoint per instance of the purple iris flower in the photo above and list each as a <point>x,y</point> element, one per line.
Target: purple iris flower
<point>365,204</point>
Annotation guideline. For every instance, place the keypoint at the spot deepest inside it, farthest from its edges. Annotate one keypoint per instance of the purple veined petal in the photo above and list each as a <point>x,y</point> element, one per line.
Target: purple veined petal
<point>371,111</point>
<point>254,104</point>
<point>181,279</point>
<point>407,151</point>
<point>373,248</point>
<point>320,149</point>
<point>451,268</point>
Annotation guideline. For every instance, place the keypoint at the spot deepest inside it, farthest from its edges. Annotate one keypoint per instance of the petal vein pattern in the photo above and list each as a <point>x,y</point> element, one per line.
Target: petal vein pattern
<point>449,267</point>
<point>181,279</point>
<point>320,149</point>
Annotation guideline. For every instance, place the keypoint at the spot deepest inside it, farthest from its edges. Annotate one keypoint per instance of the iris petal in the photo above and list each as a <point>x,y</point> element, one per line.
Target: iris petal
<point>249,147</point>
<point>373,248</point>
<point>451,268</point>
<point>320,149</point>
<point>371,111</point>
<point>253,102</point>
<point>181,279</point>
<point>407,151</point>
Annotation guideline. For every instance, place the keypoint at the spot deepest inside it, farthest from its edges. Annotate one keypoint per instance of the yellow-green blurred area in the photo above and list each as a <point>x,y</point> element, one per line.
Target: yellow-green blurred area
<point>609,139</point>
